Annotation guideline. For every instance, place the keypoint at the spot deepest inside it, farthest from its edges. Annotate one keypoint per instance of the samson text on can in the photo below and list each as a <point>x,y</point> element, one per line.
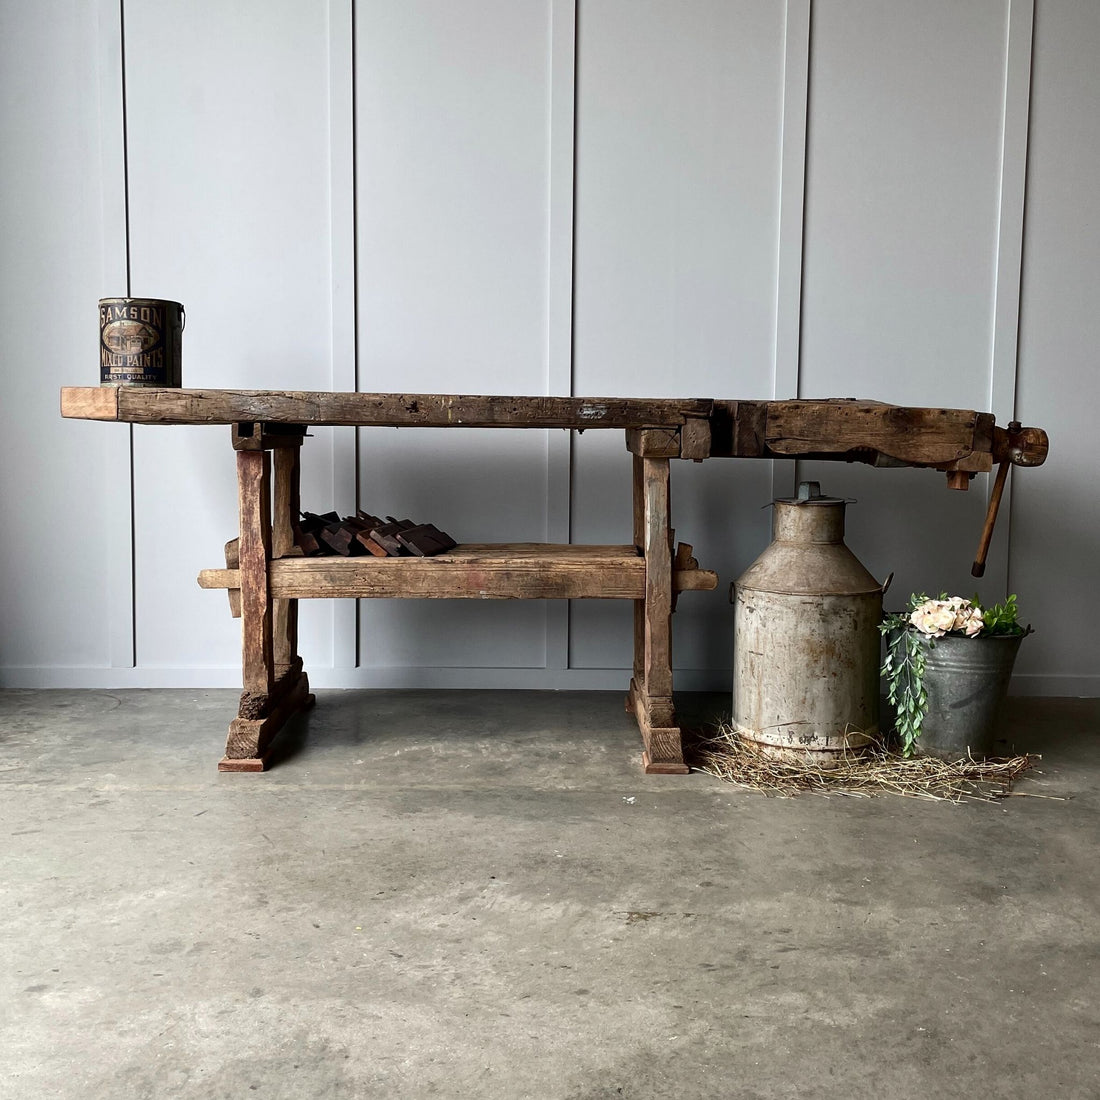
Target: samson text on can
<point>140,341</point>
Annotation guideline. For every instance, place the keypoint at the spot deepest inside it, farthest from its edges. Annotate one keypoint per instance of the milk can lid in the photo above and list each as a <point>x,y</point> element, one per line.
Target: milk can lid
<point>809,492</point>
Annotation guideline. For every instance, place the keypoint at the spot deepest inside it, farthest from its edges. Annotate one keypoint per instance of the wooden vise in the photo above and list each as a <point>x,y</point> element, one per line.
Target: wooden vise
<point>960,442</point>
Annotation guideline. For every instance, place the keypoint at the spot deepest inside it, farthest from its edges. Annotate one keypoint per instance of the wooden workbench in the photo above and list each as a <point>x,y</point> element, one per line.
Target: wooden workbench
<point>270,574</point>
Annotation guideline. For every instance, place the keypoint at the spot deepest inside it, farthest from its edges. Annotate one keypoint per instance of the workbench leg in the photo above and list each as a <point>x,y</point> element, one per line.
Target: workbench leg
<point>639,544</point>
<point>650,695</point>
<point>271,695</point>
<point>285,510</point>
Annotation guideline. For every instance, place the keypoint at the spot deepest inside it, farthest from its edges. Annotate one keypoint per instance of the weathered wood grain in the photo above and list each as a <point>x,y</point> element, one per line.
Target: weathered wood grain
<point>684,565</point>
<point>1019,445</point>
<point>841,429</point>
<point>525,571</point>
<point>255,436</point>
<point>467,573</point>
<point>249,738</point>
<point>651,692</point>
<point>284,634</point>
<point>488,579</point>
<point>286,505</point>
<point>658,588</point>
<point>233,562</point>
<point>638,512</point>
<point>90,402</point>
<point>695,439</point>
<point>663,744</point>
<point>737,429</point>
<point>917,436</point>
<point>653,442</point>
<point>472,551</point>
<point>253,491</point>
<point>693,579</point>
<point>150,405</point>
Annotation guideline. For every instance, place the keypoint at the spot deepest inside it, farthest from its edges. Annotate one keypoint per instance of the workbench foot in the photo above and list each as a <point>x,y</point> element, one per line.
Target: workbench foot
<point>651,767</point>
<point>249,764</point>
<point>250,738</point>
<point>664,753</point>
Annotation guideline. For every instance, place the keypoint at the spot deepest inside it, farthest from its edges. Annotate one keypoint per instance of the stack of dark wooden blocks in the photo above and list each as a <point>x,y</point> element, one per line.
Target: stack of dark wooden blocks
<point>363,533</point>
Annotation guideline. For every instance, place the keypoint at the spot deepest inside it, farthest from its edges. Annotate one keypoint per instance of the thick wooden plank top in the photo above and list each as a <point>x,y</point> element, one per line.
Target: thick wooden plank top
<point>837,428</point>
<point>156,405</point>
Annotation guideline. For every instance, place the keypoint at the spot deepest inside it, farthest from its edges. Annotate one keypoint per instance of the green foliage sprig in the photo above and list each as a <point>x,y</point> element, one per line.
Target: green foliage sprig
<point>903,668</point>
<point>1002,618</point>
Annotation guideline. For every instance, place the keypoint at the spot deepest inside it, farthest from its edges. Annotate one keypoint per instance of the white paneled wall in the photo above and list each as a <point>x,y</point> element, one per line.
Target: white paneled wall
<point>54,604</point>
<point>903,164</point>
<point>678,161</point>
<point>453,145</point>
<point>697,198</point>
<point>228,151</point>
<point>901,236</point>
<point>1055,525</point>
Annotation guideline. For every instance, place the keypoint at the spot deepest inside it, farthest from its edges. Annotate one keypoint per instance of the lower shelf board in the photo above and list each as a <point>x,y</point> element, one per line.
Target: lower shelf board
<point>501,571</point>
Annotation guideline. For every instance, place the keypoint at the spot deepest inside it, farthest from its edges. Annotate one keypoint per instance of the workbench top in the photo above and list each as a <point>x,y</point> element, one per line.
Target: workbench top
<point>844,428</point>
<point>162,405</point>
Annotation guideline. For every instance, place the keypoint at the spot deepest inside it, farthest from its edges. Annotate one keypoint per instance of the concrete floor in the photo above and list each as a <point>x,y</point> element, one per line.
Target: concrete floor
<point>463,894</point>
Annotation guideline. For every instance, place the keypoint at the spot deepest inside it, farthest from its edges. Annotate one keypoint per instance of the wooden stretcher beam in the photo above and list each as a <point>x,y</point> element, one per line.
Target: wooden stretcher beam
<point>496,572</point>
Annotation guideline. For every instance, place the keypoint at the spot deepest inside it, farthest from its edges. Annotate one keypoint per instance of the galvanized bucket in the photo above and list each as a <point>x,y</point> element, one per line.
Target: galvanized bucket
<point>140,341</point>
<point>967,682</point>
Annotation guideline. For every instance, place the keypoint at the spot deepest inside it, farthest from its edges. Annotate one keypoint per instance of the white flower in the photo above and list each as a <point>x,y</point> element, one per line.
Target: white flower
<point>942,616</point>
<point>974,625</point>
<point>939,617</point>
<point>923,619</point>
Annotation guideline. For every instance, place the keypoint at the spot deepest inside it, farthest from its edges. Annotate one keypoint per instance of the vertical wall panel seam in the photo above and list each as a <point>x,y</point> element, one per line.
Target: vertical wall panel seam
<point>1008,269</point>
<point>115,213</point>
<point>353,613</point>
<point>792,211</point>
<point>344,251</point>
<point>352,58</point>
<point>570,437</point>
<point>125,139</point>
<point>561,229</point>
<point>132,651</point>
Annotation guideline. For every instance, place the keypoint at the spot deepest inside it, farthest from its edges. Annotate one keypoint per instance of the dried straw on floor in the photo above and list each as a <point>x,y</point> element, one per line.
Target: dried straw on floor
<point>877,771</point>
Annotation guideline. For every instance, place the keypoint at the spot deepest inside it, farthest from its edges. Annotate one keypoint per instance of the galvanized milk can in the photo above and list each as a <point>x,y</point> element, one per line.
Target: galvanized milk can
<point>806,640</point>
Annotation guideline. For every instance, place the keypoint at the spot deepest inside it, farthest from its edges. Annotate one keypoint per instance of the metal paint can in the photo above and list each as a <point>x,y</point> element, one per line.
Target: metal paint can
<point>806,641</point>
<point>140,342</point>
